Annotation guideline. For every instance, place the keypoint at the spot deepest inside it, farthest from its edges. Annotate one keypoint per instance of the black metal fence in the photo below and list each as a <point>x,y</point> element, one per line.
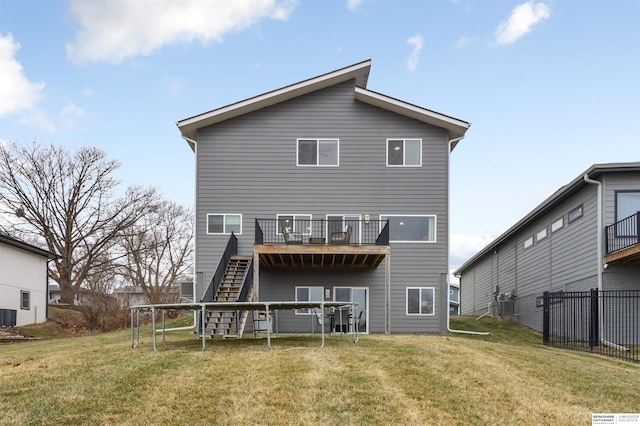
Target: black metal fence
<point>623,234</point>
<point>603,322</point>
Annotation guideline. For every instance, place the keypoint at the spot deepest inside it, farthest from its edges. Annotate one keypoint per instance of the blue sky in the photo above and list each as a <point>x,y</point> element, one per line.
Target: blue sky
<point>550,87</point>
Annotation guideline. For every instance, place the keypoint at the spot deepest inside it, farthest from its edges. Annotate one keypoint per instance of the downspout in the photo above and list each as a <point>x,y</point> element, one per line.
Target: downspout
<point>600,226</point>
<point>195,190</point>
<point>449,329</point>
<point>601,266</point>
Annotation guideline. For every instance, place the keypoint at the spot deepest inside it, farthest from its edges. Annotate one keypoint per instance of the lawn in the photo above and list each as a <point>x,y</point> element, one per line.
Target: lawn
<point>505,378</point>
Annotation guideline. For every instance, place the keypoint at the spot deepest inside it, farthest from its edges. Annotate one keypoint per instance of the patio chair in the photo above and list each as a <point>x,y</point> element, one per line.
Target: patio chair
<point>319,321</point>
<point>291,237</point>
<point>343,237</point>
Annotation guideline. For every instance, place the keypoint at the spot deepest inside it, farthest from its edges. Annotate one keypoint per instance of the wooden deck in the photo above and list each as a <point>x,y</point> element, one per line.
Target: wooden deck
<point>627,255</point>
<point>320,255</point>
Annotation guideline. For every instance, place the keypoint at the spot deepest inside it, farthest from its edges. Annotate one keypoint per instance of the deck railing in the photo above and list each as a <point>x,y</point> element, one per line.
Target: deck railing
<point>624,233</point>
<point>321,231</point>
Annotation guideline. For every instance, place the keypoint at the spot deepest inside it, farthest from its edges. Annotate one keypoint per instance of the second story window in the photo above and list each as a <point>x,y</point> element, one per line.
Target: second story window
<point>404,152</point>
<point>411,228</point>
<point>224,223</point>
<point>318,152</point>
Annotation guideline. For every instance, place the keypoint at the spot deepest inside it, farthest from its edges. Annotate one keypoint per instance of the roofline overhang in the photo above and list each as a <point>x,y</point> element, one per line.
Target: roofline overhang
<point>456,128</point>
<point>593,172</point>
<point>28,247</point>
<point>360,72</point>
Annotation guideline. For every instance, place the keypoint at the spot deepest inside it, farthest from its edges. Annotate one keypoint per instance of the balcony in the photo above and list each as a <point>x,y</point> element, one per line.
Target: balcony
<point>623,240</point>
<point>321,243</point>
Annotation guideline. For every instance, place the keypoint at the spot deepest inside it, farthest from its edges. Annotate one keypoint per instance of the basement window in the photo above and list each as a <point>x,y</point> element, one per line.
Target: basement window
<point>420,300</point>
<point>25,300</point>
<point>308,294</point>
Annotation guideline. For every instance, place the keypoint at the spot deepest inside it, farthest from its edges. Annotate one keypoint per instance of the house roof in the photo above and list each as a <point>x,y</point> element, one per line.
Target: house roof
<point>359,71</point>
<point>557,197</point>
<point>28,247</point>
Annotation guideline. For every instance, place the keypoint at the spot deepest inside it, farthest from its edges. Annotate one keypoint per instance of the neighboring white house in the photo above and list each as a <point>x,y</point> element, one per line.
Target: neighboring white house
<point>23,282</point>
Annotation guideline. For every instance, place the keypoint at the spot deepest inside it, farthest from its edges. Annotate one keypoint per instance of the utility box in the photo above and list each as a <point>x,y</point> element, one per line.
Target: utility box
<point>8,317</point>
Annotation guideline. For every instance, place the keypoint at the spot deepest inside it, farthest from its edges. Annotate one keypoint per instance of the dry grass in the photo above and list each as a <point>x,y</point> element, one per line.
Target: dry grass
<point>506,378</point>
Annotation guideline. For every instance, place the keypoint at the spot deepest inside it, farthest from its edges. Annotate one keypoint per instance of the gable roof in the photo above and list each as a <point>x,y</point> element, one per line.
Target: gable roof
<point>556,198</point>
<point>28,247</point>
<point>359,71</point>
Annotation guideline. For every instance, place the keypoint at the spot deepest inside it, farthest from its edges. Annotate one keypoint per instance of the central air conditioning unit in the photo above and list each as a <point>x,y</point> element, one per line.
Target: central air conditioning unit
<point>506,303</point>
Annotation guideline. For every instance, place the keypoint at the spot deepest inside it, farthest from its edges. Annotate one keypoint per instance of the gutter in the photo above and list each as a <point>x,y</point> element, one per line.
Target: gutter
<point>449,329</point>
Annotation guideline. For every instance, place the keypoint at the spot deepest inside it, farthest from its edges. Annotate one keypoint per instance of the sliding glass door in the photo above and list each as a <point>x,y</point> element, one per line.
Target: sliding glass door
<point>358,295</point>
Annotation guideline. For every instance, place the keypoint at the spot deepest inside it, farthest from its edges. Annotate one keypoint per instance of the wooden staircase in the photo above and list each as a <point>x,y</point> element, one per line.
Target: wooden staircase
<point>225,323</point>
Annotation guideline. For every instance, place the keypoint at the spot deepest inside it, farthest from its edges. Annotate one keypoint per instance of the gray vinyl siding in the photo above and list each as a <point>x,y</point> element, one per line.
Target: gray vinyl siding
<point>613,183</point>
<point>477,286</point>
<point>247,165</point>
<point>278,285</point>
<point>625,276</point>
<point>565,260</point>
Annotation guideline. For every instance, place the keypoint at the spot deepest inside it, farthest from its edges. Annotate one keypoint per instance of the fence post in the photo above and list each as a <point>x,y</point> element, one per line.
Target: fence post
<point>594,337</point>
<point>638,227</point>
<point>545,318</point>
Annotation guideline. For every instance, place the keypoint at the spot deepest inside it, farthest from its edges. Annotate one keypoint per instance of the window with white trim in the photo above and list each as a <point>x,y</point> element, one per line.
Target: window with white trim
<point>528,242</point>
<point>557,225</point>
<point>308,294</point>
<point>411,228</point>
<point>294,223</point>
<point>318,152</point>
<point>25,300</point>
<point>404,152</point>
<point>224,223</point>
<point>421,301</point>
<point>627,204</point>
<point>541,234</point>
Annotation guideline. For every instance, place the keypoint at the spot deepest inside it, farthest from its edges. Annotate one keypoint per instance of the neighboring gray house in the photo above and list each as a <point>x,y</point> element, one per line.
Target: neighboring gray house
<point>334,192</point>
<point>585,236</point>
<point>454,299</point>
<point>23,282</point>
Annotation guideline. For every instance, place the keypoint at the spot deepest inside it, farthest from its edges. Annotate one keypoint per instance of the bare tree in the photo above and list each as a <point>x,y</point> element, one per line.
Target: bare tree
<point>158,252</point>
<point>67,200</point>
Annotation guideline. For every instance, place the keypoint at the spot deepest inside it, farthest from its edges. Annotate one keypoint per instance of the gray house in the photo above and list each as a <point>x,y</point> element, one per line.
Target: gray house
<point>585,236</point>
<point>324,190</point>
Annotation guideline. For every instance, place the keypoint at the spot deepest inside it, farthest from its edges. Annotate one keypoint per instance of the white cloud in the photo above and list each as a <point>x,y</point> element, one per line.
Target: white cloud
<point>464,42</point>
<point>172,85</point>
<point>353,4</point>
<point>522,19</point>
<point>465,246</point>
<point>17,93</point>
<point>70,114</point>
<point>412,61</point>
<point>38,118</point>
<point>114,30</point>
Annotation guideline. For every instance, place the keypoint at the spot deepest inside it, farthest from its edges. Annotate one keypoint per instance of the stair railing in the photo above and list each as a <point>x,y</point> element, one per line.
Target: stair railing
<point>246,284</point>
<point>214,284</point>
<point>243,294</point>
<point>383,238</point>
